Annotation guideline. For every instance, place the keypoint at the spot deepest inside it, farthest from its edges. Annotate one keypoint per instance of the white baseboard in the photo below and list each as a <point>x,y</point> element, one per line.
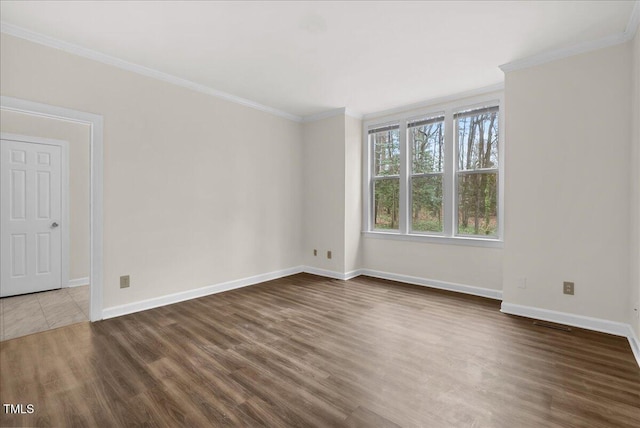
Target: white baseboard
<point>169,299</point>
<point>442,285</point>
<point>143,305</point>
<point>330,273</point>
<point>634,343</point>
<point>78,282</point>
<point>589,323</point>
<point>580,321</point>
<point>352,274</point>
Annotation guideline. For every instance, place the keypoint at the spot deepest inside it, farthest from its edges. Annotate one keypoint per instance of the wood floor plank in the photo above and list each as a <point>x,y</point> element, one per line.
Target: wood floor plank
<point>310,351</point>
<point>364,418</point>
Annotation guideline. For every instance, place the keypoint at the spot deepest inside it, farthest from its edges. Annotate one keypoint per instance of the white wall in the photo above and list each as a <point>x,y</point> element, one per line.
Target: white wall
<point>78,136</point>
<point>197,190</point>
<point>323,180</point>
<point>332,177</point>
<point>458,264</point>
<point>634,300</point>
<point>353,193</point>
<point>567,184</point>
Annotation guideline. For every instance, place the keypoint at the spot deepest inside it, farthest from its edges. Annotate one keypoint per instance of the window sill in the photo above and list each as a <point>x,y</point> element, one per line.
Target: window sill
<point>457,240</point>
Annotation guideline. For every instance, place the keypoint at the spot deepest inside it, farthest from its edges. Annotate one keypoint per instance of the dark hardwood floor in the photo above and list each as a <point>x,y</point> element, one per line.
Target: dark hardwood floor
<point>309,351</point>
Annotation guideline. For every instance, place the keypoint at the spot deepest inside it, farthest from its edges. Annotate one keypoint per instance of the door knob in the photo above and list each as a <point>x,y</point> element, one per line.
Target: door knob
<point>54,225</point>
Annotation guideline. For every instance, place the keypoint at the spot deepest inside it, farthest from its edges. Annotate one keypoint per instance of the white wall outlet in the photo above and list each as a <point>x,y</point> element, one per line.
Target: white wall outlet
<point>522,282</point>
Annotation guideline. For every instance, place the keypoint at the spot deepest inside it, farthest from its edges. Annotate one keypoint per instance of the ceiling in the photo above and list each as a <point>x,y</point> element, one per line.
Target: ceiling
<point>304,58</point>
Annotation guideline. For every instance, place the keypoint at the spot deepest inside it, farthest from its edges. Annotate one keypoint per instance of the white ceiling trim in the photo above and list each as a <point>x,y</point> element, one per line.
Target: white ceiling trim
<point>556,54</point>
<point>435,101</point>
<point>32,36</point>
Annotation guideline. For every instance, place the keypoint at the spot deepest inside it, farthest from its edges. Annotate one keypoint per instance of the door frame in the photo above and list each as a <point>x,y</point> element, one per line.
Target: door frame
<point>64,195</point>
<point>96,127</point>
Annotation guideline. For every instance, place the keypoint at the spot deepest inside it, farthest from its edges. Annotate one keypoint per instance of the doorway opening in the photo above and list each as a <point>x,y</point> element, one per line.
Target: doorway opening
<point>83,284</point>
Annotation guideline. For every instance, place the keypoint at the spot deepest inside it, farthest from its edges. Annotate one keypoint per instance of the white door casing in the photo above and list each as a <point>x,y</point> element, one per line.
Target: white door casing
<point>34,240</point>
<point>96,125</point>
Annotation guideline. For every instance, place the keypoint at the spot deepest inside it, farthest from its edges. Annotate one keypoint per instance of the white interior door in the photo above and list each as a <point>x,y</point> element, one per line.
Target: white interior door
<point>31,216</point>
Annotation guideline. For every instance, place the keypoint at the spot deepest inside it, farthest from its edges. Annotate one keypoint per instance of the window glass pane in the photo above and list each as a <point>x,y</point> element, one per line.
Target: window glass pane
<point>386,152</point>
<point>386,204</point>
<point>477,204</point>
<point>426,204</point>
<point>427,147</point>
<point>477,141</point>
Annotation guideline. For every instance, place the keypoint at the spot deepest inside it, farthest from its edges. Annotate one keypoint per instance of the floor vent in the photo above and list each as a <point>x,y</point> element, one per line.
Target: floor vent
<point>552,326</point>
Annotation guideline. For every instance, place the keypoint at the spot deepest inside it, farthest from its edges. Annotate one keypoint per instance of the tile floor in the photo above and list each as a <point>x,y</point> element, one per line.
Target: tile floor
<point>31,313</point>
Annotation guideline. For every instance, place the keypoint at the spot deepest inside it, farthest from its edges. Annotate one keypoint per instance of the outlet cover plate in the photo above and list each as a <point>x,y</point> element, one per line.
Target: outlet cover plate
<point>125,281</point>
<point>522,283</point>
<point>568,288</point>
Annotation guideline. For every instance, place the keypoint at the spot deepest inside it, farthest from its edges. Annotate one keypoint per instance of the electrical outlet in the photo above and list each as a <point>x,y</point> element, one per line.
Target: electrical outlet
<point>125,281</point>
<point>567,287</point>
<point>522,282</point>
<point>315,252</point>
<point>328,254</point>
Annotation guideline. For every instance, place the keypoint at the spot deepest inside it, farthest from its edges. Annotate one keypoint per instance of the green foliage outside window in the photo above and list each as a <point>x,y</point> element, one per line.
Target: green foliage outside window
<point>478,191</point>
<point>386,148</point>
<point>476,172</point>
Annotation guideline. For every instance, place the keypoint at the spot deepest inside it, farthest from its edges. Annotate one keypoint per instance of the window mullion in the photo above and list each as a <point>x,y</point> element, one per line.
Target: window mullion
<point>449,174</point>
<point>404,179</point>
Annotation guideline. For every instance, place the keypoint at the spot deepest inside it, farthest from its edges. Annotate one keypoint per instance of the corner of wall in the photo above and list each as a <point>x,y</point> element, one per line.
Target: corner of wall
<point>353,193</point>
<point>634,290</point>
<point>323,177</point>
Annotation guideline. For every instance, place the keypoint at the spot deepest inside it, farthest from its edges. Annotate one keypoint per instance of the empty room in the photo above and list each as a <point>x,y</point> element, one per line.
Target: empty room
<point>320,213</point>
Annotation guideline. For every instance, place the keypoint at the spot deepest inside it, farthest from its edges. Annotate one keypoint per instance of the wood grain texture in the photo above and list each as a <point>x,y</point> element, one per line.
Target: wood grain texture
<point>310,351</point>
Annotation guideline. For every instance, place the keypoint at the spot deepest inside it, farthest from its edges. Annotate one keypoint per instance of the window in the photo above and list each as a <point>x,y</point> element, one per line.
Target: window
<point>426,141</point>
<point>386,176</point>
<point>477,171</point>
<point>436,175</point>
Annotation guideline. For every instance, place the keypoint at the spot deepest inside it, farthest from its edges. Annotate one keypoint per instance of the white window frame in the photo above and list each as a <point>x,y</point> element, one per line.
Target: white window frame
<point>410,175</point>
<point>448,235</point>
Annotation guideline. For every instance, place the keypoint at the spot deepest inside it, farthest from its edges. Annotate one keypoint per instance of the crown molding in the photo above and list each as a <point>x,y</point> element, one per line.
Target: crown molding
<point>32,36</point>
<point>434,101</point>
<point>556,54</point>
<point>561,53</point>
